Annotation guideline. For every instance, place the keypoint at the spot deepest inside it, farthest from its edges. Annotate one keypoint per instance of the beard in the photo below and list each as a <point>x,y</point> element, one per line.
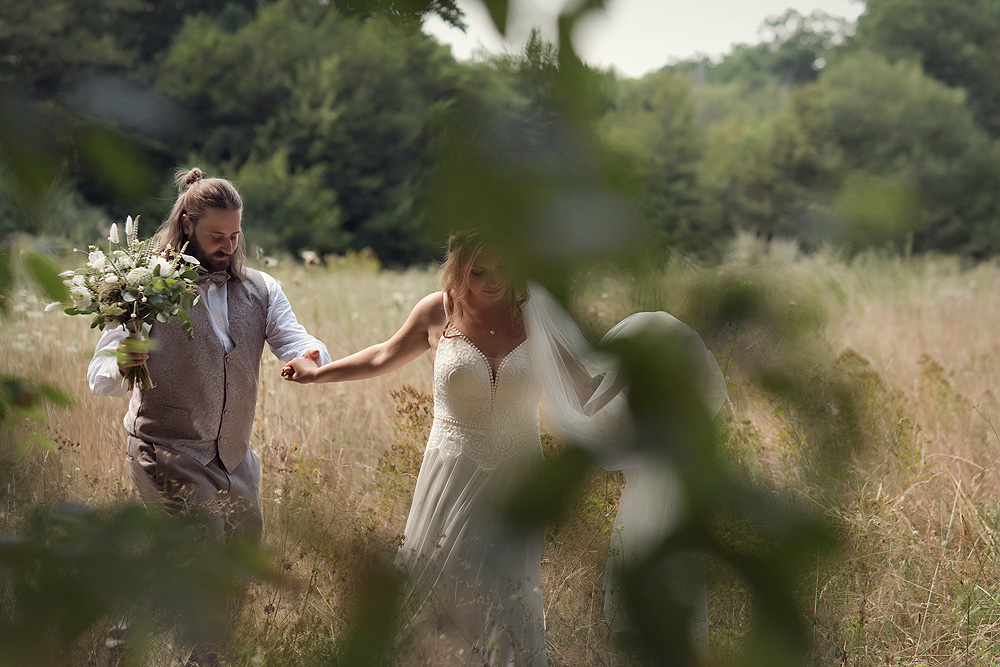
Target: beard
<point>211,263</point>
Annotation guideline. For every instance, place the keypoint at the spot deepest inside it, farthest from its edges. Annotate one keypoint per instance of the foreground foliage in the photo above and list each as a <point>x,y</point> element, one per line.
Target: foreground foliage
<point>909,483</point>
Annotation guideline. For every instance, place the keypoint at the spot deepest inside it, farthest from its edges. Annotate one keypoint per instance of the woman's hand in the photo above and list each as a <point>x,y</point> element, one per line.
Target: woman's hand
<point>302,369</point>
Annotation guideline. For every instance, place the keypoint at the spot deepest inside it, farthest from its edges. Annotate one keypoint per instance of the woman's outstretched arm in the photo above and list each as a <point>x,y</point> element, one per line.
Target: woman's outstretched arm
<point>412,340</point>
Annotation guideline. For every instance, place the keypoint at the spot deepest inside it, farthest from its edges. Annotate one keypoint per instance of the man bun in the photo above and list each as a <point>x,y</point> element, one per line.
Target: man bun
<point>186,180</point>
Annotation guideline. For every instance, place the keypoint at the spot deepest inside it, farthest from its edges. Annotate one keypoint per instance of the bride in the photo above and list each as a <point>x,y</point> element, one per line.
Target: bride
<point>474,584</point>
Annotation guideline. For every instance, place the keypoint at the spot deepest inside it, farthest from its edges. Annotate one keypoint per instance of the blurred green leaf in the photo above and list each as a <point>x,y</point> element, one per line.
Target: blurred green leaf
<point>27,151</point>
<point>498,10</point>
<point>6,279</point>
<point>373,626</point>
<point>116,163</point>
<point>46,275</point>
<point>74,569</point>
<point>544,493</point>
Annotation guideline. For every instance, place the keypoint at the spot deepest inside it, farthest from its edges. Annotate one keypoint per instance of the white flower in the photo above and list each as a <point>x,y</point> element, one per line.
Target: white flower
<point>129,226</point>
<point>96,260</point>
<point>113,236</point>
<point>78,281</point>
<point>67,274</point>
<point>124,260</point>
<point>165,271</point>
<point>110,278</point>
<point>140,275</point>
<point>52,306</point>
<point>81,297</point>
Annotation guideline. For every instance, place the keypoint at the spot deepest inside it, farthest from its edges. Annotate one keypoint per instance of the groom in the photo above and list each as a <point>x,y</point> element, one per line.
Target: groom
<point>188,438</point>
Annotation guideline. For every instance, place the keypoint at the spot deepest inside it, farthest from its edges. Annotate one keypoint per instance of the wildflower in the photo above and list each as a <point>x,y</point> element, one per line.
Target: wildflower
<point>110,278</point>
<point>129,227</point>
<point>113,236</point>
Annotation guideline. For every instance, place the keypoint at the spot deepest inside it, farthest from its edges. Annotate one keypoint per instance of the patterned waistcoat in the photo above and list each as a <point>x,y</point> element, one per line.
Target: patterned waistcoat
<point>204,399</point>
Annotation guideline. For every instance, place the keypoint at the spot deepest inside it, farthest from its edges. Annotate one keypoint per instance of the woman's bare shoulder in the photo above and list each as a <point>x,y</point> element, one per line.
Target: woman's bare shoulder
<point>430,309</point>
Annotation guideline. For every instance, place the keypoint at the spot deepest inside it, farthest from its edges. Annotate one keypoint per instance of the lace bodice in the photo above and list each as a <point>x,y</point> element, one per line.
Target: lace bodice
<point>487,417</point>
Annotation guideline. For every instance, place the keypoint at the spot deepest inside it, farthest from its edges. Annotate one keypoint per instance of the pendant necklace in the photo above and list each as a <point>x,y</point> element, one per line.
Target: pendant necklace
<point>493,331</point>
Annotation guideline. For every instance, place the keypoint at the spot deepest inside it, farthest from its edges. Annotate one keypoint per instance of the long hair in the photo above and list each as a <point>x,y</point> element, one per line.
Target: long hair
<point>464,248</point>
<point>196,195</point>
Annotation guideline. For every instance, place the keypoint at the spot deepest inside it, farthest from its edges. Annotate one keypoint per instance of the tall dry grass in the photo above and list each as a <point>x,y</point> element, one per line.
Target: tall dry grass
<point>915,582</point>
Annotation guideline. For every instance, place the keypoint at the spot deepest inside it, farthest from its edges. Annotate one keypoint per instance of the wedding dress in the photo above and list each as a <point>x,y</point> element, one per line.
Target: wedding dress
<point>474,594</point>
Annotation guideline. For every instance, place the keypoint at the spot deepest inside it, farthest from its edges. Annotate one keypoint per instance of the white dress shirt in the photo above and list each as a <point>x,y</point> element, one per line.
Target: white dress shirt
<point>285,336</point>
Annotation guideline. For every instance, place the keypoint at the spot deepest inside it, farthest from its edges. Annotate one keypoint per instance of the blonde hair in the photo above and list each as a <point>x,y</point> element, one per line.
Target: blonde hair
<point>196,195</point>
<point>464,248</point>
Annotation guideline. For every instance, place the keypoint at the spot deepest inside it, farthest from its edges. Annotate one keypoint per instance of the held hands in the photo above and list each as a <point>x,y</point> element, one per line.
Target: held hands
<point>302,369</point>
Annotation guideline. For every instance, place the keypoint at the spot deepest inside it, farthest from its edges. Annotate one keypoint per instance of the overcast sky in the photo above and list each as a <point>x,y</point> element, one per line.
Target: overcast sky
<point>635,36</point>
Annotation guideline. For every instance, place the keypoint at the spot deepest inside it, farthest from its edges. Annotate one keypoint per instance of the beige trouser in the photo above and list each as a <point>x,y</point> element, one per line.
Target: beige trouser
<point>229,501</point>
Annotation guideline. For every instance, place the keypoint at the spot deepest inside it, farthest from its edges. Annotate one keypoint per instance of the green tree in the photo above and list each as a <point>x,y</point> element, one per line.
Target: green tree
<point>893,120</point>
<point>955,43</point>
<point>286,209</point>
<point>406,12</point>
<point>653,122</point>
<point>67,82</point>
<point>45,46</point>
<point>344,99</point>
<point>772,175</point>
<point>792,51</point>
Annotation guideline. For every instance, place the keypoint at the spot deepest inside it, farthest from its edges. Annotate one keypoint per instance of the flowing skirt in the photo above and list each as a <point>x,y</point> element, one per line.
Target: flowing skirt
<point>474,583</point>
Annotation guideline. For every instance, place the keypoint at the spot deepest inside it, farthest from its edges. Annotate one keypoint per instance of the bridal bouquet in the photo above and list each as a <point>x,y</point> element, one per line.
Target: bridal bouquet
<point>134,284</point>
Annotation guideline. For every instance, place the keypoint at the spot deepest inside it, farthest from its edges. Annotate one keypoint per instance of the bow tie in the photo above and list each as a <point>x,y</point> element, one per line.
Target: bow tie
<point>217,277</point>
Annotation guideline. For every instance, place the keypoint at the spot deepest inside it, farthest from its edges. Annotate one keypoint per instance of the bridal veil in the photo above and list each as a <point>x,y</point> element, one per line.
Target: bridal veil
<point>587,402</point>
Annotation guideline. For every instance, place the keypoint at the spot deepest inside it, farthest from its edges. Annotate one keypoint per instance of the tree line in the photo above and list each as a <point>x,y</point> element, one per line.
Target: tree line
<point>333,118</point>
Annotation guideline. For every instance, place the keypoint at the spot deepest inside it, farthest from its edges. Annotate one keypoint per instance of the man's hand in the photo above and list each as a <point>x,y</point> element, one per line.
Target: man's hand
<point>302,369</point>
<point>132,352</point>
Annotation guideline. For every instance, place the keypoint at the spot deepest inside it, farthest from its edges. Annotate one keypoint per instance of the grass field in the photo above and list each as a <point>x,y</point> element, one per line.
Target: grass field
<point>914,496</point>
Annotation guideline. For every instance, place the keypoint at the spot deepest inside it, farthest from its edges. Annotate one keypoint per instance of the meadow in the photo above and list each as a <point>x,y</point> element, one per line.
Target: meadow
<point>913,497</point>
